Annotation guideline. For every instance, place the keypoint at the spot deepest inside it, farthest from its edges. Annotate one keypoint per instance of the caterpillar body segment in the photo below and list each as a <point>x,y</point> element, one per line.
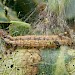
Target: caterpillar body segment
<point>36,37</point>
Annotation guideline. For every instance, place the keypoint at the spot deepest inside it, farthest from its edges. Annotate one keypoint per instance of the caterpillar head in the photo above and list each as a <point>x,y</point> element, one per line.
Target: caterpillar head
<point>2,33</point>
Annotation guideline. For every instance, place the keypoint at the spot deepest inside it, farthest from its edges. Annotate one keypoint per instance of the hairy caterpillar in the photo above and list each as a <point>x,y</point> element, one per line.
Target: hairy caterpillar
<point>33,41</point>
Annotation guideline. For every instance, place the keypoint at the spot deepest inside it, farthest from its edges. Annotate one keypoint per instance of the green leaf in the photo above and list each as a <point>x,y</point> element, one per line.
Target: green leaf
<point>19,28</point>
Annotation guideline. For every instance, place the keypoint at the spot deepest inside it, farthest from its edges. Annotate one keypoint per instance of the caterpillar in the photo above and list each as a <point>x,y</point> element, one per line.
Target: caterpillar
<point>35,41</point>
<point>52,41</point>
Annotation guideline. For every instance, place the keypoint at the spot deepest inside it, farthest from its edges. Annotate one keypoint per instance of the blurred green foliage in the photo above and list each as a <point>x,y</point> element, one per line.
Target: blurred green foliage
<point>53,5</point>
<point>63,5</point>
<point>11,15</point>
<point>25,7</point>
<point>57,62</point>
<point>19,28</point>
<point>3,18</point>
<point>70,9</point>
